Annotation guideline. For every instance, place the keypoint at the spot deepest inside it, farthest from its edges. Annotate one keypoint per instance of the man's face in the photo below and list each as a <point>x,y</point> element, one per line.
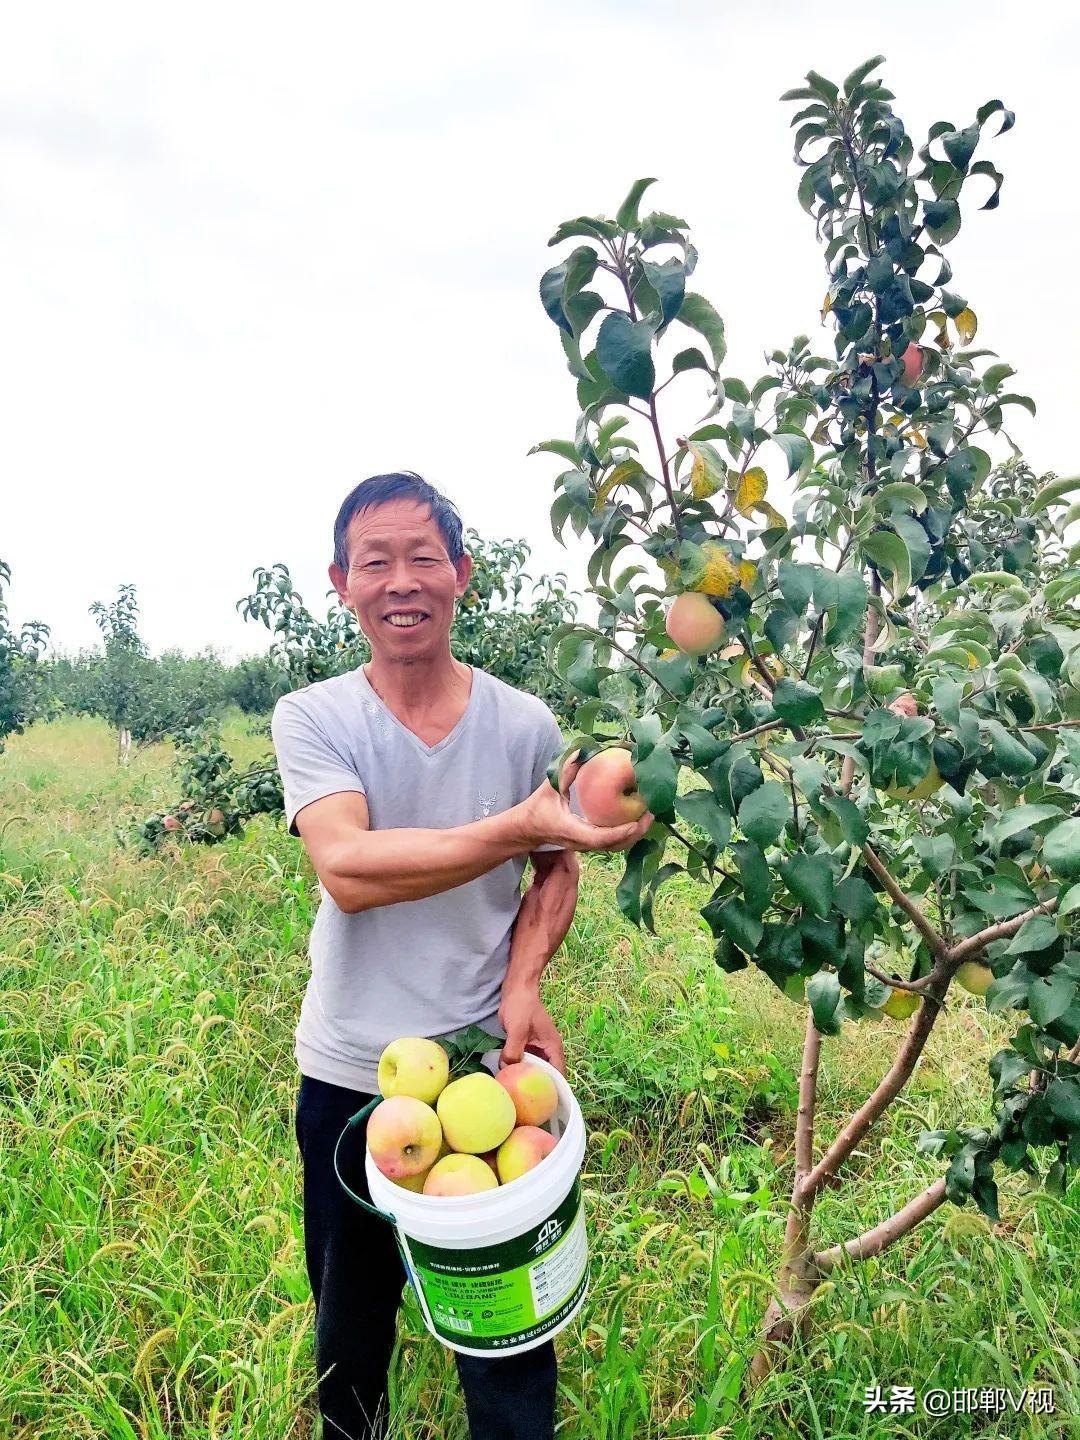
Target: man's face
<point>399,570</point>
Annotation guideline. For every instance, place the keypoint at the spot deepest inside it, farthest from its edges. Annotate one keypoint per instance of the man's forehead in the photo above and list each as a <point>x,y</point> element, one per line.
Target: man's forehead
<point>406,521</point>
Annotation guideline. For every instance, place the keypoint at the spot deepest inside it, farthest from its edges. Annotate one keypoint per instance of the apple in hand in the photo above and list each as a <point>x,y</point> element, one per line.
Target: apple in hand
<point>532,1091</point>
<point>975,977</point>
<point>477,1114</point>
<point>694,623</point>
<point>460,1175</point>
<point>403,1136</point>
<point>523,1148</point>
<point>607,789</point>
<point>413,1066</point>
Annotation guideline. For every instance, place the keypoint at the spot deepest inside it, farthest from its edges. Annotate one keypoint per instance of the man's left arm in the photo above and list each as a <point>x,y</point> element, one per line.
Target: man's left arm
<point>543,919</point>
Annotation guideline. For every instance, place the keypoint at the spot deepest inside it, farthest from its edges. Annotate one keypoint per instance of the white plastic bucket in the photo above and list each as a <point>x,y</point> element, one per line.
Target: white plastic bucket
<point>501,1271</point>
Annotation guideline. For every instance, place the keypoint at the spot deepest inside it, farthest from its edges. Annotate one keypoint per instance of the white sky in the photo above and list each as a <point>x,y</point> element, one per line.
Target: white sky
<point>250,254</point>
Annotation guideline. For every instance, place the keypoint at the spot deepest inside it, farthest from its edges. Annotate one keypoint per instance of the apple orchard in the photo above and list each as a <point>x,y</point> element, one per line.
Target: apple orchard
<point>852,709</point>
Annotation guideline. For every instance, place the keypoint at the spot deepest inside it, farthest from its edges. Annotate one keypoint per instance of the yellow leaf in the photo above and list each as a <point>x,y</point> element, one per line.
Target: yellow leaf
<point>620,473</point>
<point>917,438</point>
<point>773,516</point>
<point>966,324</point>
<point>751,488</point>
<point>747,573</point>
<point>721,575</point>
<point>706,476</point>
<point>826,306</point>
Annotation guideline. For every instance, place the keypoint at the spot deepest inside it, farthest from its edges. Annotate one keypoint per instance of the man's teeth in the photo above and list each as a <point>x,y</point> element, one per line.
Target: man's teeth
<point>404,621</point>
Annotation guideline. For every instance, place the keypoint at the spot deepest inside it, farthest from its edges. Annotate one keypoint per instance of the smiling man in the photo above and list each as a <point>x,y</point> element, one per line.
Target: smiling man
<point>418,786</point>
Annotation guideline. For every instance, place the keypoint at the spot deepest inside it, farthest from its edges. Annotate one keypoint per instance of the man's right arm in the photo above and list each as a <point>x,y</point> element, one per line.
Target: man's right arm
<point>363,868</point>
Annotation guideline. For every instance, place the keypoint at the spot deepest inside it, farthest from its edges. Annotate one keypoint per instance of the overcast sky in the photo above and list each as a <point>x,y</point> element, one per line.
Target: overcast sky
<point>250,254</point>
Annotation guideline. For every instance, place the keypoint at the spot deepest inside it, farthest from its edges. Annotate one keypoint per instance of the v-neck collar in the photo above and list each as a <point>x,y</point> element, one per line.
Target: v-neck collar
<point>373,698</point>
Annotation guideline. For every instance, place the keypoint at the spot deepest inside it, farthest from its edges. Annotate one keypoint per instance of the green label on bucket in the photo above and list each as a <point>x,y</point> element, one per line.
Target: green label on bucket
<point>507,1294</point>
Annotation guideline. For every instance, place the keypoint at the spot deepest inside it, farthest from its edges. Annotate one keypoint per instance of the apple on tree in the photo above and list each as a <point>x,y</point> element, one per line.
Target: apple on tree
<point>974,977</point>
<point>694,623</point>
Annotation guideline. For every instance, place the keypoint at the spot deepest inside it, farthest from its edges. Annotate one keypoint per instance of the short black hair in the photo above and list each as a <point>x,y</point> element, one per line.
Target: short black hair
<point>378,489</point>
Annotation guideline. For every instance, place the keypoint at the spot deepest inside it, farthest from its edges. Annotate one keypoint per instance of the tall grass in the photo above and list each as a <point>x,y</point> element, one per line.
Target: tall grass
<point>151,1262</point>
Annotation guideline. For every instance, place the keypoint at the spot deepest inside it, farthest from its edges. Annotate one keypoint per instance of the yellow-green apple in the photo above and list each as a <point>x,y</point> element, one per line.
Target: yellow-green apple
<point>532,1091</point>
<point>912,361</point>
<point>694,624</point>
<point>460,1175</point>
<point>413,1066</point>
<point>403,1136</point>
<point>901,1004</point>
<point>524,1147</point>
<point>477,1114</point>
<point>413,1182</point>
<point>607,789</point>
<point>975,978</point>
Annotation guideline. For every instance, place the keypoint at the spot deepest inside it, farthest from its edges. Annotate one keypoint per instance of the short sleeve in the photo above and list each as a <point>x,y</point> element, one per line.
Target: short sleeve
<point>311,766</point>
<point>551,744</point>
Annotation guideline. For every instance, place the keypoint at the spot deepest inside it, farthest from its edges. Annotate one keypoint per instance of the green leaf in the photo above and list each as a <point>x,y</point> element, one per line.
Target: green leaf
<point>936,852</point>
<point>657,778</point>
<point>959,145</point>
<point>852,821</point>
<point>735,921</point>
<point>942,219</point>
<point>889,553</point>
<point>627,214</point>
<point>1056,490</point>
<point>691,359</point>
<point>702,809</point>
<point>824,994</point>
<point>797,449</point>
<point>859,74</point>
<point>696,312</point>
<point>855,899</point>
<point>1070,902</point>
<point>810,880</point>
<point>1024,817</point>
<point>1014,758</point>
<point>796,702</point>
<point>1061,850</point>
<point>624,351</point>
<point>1049,998</point>
<point>764,813</point>
<point>796,584</point>
<point>565,449</point>
<point>669,282</point>
<point>628,891</point>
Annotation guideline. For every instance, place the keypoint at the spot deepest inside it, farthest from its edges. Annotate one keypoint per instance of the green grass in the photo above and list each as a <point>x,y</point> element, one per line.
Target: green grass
<point>151,1262</point>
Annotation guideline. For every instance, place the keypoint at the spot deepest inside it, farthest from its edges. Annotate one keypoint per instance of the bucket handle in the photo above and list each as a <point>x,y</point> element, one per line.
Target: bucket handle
<point>350,1124</point>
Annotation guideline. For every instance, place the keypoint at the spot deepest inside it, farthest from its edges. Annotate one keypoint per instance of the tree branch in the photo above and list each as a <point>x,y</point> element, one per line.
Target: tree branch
<point>918,919</point>
<point>897,1077</point>
<point>873,1242</point>
<point>1004,930</point>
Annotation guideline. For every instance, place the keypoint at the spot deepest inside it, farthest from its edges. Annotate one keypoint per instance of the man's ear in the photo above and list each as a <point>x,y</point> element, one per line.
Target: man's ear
<point>339,580</point>
<point>464,571</point>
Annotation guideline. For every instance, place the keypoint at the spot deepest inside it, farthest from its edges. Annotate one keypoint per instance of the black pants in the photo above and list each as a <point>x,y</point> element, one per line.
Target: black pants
<point>357,1277</point>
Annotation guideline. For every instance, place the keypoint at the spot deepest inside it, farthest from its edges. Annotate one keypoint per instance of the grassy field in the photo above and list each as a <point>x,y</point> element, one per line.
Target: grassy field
<point>151,1263</point>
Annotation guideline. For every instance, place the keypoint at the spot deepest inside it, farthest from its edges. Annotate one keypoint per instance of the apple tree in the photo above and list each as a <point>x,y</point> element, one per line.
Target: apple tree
<point>873,760</point>
<point>19,653</point>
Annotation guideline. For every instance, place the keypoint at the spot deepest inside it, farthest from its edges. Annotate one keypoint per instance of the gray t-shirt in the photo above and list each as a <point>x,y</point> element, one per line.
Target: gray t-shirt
<point>419,967</point>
